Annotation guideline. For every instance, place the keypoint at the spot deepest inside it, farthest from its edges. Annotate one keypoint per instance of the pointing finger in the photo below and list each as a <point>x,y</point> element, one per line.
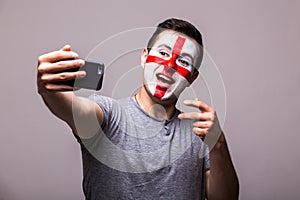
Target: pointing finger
<point>197,116</point>
<point>198,104</point>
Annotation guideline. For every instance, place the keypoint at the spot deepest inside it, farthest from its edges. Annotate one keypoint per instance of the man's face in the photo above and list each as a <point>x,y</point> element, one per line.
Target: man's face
<point>169,66</point>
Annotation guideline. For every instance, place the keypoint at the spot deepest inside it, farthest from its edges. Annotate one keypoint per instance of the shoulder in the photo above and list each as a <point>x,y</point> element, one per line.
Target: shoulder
<point>113,107</point>
<point>107,104</point>
<point>99,99</point>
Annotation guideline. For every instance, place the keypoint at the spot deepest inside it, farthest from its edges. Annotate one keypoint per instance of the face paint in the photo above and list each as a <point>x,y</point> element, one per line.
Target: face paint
<point>167,72</point>
<point>174,61</point>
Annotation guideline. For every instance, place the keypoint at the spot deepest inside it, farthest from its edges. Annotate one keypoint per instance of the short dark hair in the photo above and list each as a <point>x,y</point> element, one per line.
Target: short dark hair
<point>180,26</point>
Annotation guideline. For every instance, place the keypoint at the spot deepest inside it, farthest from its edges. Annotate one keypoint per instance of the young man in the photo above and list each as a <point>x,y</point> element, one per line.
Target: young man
<point>142,147</point>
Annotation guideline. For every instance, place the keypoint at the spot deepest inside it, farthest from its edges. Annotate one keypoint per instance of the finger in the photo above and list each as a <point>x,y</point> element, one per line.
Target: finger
<point>203,124</point>
<point>58,88</point>
<point>198,104</point>
<point>190,115</point>
<point>67,47</point>
<point>197,116</point>
<point>60,66</point>
<point>64,76</point>
<point>55,56</point>
<point>200,131</point>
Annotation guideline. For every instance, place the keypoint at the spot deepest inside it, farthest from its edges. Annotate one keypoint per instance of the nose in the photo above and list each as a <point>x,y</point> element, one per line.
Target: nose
<point>170,66</point>
<point>171,62</point>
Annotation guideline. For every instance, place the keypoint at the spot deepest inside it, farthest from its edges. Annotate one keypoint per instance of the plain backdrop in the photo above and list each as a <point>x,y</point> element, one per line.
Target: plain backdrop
<point>254,43</point>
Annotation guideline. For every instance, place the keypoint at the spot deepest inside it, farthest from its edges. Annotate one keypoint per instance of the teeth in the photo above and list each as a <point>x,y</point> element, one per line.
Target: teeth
<point>165,78</point>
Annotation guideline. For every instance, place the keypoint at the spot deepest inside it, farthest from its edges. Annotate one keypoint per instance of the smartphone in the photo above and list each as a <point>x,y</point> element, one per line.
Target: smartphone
<point>93,79</point>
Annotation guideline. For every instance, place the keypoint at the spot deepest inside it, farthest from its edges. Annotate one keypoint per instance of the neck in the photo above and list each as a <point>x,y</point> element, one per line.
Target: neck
<point>155,107</point>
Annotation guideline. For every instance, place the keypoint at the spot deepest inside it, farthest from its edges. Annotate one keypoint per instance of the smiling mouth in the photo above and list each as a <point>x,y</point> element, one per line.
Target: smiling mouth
<point>165,79</point>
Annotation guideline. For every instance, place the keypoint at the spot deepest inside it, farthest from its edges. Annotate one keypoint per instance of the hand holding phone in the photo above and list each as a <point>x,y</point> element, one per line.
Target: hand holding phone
<point>94,76</point>
<point>93,79</point>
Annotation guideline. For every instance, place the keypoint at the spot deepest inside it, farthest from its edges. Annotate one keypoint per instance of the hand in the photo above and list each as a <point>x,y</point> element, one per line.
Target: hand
<point>205,121</point>
<point>51,67</point>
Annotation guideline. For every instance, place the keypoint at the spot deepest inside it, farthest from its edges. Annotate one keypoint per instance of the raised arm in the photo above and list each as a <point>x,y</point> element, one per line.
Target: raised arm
<point>221,180</point>
<point>81,114</point>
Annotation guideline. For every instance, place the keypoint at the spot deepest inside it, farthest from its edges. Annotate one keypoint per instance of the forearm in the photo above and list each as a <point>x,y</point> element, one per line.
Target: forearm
<point>223,181</point>
<point>60,104</point>
<point>81,114</point>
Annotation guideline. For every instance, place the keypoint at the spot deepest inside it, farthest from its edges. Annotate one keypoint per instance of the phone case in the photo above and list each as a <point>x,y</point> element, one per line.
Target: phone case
<point>93,79</point>
<point>94,76</point>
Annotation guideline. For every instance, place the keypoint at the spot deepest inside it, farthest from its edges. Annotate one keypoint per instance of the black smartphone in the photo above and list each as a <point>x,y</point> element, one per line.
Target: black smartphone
<point>93,79</point>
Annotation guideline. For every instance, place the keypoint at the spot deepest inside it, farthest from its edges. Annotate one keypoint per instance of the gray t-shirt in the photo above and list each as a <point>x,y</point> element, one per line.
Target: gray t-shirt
<point>136,156</point>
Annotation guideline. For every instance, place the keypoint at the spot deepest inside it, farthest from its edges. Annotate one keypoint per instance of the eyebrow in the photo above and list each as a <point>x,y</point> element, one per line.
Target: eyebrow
<point>164,45</point>
<point>187,55</point>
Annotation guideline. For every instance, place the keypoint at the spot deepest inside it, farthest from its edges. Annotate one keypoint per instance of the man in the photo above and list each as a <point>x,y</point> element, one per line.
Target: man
<point>142,147</point>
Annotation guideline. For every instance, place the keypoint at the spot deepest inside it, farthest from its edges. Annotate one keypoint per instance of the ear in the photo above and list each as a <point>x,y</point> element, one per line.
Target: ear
<point>144,56</point>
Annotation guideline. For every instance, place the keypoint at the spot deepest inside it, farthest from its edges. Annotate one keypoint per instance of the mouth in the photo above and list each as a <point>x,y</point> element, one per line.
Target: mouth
<point>165,79</point>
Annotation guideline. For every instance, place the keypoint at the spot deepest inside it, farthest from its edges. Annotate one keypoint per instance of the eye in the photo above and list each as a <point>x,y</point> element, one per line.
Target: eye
<point>183,62</point>
<point>164,53</point>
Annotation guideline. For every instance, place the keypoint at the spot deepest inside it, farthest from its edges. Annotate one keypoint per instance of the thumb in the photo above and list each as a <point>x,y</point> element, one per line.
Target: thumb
<point>67,47</point>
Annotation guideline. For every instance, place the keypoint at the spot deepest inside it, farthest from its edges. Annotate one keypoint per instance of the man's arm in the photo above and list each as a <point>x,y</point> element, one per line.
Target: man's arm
<point>221,180</point>
<point>81,114</point>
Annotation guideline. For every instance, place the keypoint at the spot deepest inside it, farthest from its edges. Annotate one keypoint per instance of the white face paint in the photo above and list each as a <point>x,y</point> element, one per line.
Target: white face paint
<point>169,65</point>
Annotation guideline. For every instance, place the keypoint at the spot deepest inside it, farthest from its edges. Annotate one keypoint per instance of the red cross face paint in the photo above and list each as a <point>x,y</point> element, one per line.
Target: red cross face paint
<point>169,65</point>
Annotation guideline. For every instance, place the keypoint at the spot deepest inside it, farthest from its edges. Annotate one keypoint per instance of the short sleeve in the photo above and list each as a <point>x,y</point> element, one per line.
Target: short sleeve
<point>105,104</point>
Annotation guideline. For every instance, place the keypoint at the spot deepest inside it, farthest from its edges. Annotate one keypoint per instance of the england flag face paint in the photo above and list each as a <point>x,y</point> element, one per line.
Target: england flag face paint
<point>169,67</point>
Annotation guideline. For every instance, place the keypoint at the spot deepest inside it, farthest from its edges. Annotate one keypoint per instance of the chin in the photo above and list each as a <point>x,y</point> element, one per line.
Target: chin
<point>170,97</point>
<point>173,92</point>
<point>167,100</point>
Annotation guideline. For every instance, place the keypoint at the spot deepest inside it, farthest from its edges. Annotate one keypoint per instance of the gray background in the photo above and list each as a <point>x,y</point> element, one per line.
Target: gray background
<point>254,43</point>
